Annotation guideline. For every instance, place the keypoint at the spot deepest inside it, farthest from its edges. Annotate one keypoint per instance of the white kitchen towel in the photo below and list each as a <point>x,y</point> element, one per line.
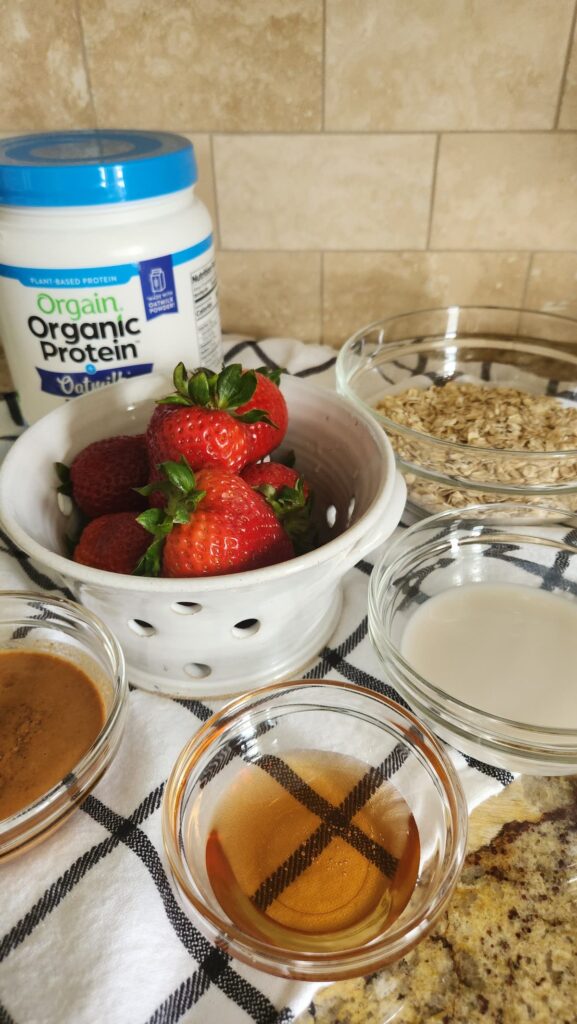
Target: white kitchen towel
<point>91,931</point>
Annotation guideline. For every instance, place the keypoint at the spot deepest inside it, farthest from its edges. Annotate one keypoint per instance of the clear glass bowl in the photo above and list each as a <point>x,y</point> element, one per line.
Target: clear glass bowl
<point>33,622</point>
<point>527,545</point>
<point>259,740</point>
<point>530,351</point>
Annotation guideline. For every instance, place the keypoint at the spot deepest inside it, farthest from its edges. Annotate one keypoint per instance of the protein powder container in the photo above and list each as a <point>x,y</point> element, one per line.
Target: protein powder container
<point>106,262</point>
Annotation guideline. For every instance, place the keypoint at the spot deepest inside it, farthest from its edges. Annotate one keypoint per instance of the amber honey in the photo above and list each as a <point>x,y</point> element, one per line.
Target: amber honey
<point>307,852</point>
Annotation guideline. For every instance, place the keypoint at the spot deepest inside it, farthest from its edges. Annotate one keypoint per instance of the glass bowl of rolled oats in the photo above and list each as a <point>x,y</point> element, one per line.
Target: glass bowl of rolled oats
<point>480,403</point>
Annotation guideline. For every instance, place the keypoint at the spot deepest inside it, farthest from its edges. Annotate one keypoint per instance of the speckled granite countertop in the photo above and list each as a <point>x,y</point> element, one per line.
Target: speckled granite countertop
<point>505,951</point>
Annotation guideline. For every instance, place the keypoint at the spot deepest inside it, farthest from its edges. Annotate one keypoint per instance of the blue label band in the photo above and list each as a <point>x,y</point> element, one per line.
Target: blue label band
<point>70,385</point>
<point>95,277</point>
<point>158,289</point>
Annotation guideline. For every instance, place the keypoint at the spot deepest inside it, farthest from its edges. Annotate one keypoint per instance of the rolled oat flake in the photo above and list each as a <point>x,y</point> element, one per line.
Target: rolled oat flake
<point>106,262</point>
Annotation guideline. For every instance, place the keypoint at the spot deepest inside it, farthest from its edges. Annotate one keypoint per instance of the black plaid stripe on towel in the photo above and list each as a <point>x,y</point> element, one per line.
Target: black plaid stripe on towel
<point>90,927</point>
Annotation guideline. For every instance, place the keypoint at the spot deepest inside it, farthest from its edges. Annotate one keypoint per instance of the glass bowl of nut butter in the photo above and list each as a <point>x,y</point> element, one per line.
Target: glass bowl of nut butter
<point>62,708</point>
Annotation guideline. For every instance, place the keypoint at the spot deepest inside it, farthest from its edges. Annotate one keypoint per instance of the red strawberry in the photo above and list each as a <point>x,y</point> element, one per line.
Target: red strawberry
<point>273,474</point>
<point>206,419</point>
<point>113,542</point>
<point>103,476</point>
<point>265,436</point>
<point>214,524</point>
<point>206,437</point>
<point>290,497</point>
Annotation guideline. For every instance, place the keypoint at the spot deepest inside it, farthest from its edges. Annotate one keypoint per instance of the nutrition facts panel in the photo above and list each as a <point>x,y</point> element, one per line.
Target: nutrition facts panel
<point>205,299</point>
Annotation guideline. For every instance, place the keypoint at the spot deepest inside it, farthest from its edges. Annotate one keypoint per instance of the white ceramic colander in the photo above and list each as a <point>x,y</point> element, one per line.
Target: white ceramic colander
<point>217,636</point>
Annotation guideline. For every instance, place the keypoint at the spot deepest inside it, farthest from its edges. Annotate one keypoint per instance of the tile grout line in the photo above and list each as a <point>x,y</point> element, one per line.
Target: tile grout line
<point>433,192</point>
<point>400,249</point>
<point>322,301</point>
<point>84,54</point>
<point>352,133</point>
<point>216,202</point>
<point>527,280</point>
<point>324,67</point>
<point>563,81</point>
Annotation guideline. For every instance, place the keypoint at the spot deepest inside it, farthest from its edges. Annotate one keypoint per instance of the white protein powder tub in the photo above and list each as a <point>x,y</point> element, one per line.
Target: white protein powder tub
<point>106,262</point>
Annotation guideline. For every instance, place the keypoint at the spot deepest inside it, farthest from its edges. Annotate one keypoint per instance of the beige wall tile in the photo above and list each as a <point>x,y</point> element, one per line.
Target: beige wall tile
<point>271,294</point>
<point>204,188</point>
<point>361,287</point>
<point>206,65</point>
<point>324,191</point>
<point>42,77</point>
<point>506,191</point>
<point>421,65</point>
<point>552,284</point>
<point>568,114</point>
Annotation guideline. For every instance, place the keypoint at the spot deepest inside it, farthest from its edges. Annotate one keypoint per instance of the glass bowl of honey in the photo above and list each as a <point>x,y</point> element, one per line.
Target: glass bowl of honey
<point>473,614</point>
<point>62,707</point>
<point>314,829</point>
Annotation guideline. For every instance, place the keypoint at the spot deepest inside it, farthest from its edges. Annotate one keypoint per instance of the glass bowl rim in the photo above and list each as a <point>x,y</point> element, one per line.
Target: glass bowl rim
<point>38,816</point>
<point>542,492</point>
<point>439,443</point>
<point>382,574</point>
<point>270,957</point>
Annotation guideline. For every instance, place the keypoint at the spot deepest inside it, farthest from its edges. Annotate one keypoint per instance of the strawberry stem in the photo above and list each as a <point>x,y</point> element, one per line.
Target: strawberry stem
<point>178,485</point>
<point>228,390</point>
<point>273,374</point>
<point>294,510</point>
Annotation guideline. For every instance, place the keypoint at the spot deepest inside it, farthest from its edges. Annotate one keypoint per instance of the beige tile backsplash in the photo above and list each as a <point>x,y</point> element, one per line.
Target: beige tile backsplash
<point>271,293</point>
<point>43,84</point>
<point>205,65</point>
<point>568,115</point>
<point>359,157</point>
<point>414,65</point>
<point>552,283</point>
<point>205,186</point>
<point>324,191</point>
<point>359,286</point>
<point>506,191</point>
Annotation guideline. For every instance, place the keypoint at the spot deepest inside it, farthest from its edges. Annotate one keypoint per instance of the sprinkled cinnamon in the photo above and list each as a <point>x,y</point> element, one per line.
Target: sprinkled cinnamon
<point>50,714</point>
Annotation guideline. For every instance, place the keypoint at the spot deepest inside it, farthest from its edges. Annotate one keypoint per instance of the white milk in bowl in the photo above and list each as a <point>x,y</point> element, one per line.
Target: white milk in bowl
<point>503,648</point>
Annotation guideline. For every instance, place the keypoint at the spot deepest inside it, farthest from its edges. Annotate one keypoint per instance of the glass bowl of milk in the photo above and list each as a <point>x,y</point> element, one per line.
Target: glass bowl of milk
<point>473,614</point>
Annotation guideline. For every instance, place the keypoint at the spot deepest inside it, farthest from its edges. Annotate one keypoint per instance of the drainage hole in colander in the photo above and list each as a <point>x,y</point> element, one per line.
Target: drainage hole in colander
<point>246,627</point>
<point>64,502</point>
<point>331,516</point>
<point>197,670</point>
<point>186,607</point>
<point>141,628</point>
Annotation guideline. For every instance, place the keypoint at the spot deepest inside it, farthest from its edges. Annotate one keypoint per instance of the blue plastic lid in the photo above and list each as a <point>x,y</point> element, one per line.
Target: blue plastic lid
<point>87,168</point>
